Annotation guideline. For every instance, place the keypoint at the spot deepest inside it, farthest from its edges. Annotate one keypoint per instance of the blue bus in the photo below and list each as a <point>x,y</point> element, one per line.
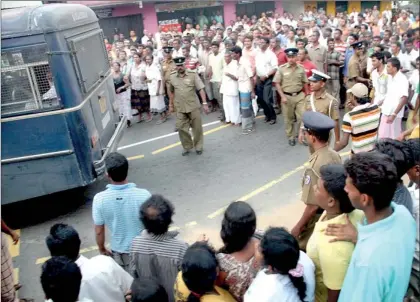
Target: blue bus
<point>59,118</point>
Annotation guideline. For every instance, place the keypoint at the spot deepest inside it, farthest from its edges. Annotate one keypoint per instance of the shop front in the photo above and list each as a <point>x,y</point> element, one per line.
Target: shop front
<point>174,14</point>
<point>251,8</point>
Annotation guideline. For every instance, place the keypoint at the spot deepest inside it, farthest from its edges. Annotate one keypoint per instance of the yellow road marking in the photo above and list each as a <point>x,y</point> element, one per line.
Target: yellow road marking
<point>135,157</point>
<point>179,143</point>
<point>16,275</point>
<point>82,251</point>
<point>14,249</point>
<point>174,228</point>
<point>191,224</point>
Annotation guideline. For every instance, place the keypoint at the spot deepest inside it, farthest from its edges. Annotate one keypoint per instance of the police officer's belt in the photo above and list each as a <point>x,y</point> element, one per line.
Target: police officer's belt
<point>292,93</point>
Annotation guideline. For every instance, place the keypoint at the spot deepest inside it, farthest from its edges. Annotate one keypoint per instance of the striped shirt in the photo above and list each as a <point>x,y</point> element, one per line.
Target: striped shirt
<point>118,208</point>
<point>362,123</point>
<point>158,257</point>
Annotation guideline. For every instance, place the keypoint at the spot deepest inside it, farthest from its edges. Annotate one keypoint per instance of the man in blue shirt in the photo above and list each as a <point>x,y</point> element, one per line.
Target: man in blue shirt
<point>349,52</point>
<point>380,266</point>
<point>118,208</point>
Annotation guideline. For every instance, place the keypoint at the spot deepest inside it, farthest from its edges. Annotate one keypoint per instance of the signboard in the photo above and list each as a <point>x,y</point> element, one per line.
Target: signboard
<point>103,12</point>
<point>173,6</point>
<point>171,25</point>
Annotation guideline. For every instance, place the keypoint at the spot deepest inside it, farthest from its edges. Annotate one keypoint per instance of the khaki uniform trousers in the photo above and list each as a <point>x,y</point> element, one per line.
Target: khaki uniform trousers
<point>295,106</point>
<point>307,232</point>
<point>183,123</point>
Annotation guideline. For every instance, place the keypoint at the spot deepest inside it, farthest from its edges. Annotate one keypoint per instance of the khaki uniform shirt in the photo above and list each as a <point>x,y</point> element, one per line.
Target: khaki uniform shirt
<point>318,56</point>
<point>184,89</point>
<point>311,175</point>
<point>357,68</point>
<point>291,80</point>
<point>168,66</point>
<point>325,104</point>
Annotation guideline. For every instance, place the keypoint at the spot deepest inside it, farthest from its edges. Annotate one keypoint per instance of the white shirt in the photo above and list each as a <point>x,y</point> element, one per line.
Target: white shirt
<point>103,279</point>
<point>216,63</point>
<point>279,288</point>
<point>411,57</point>
<point>136,73</point>
<point>144,40</point>
<point>414,81</point>
<point>230,86</point>
<point>396,89</point>
<point>244,75</point>
<point>265,62</point>
<point>403,60</point>
<point>177,53</point>
<point>380,83</point>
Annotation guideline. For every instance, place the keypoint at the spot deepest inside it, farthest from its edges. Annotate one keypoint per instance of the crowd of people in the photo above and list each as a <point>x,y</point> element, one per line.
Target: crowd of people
<point>358,237</point>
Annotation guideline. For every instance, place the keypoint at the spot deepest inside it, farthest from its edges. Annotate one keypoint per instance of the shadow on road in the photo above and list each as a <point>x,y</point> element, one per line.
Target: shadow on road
<point>38,210</point>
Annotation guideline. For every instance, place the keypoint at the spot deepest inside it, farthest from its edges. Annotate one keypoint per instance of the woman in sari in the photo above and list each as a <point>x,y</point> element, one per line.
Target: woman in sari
<point>155,86</point>
<point>140,99</point>
<point>122,92</point>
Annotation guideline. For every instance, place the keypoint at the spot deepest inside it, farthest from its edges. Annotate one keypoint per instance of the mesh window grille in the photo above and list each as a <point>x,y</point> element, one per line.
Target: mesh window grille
<point>26,81</point>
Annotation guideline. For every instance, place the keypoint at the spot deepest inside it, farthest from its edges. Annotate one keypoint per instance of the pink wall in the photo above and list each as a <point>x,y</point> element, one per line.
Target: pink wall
<point>150,21</point>
<point>229,8</point>
<point>279,6</point>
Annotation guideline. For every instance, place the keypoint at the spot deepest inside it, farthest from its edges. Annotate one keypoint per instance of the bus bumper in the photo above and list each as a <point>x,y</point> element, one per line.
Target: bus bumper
<point>111,147</point>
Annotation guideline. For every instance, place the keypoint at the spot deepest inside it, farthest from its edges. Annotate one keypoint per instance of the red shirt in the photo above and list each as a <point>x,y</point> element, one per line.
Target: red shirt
<point>308,66</point>
<point>191,63</point>
<point>281,57</point>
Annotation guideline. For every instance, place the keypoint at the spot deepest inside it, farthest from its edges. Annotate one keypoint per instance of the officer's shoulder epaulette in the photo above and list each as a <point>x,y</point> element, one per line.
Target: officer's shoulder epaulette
<point>173,72</point>
<point>191,71</point>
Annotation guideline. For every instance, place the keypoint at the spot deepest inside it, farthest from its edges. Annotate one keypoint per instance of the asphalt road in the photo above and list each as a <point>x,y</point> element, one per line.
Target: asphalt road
<point>260,168</point>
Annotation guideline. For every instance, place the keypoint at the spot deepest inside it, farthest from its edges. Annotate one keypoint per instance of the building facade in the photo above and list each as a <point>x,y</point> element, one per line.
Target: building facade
<point>138,15</point>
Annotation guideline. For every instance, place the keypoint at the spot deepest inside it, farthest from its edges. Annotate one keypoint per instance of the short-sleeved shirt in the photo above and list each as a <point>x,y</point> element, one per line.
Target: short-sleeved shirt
<point>291,79</point>
<point>333,70</point>
<point>318,159</point>
<point>325,104</point>
<point>168,66</point>
<point>397,88</point>
<point>331,259</point>
<point>380,267</point>
<point>216,62</point>
<point>318,55</point>
<point>362,122</point>
<point>357,68</point>
<point>118,209</point>
<point>184,89</point>
<point>308,66</point>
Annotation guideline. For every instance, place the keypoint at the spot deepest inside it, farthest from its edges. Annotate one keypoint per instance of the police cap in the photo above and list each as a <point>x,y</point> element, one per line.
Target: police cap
<point>318,76</point>
<point>179,61</point>
<point>167,49</point>
<point>317,121</point>
<point>358,45</point>
<point>291,52</point>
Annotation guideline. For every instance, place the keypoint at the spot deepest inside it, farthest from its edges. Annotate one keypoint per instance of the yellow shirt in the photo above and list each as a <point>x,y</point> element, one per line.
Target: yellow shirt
<point>416,132</point>
<point>182,292</point>
<point>331,259</point>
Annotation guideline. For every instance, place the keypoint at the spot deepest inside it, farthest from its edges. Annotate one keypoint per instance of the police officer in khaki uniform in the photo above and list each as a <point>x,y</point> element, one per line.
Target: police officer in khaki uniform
<point>357,70</point>
<point>182,95</point>
<point>168,66</point>
<point>317,127</point>
<point>321,101</point>
<point>292,85</point>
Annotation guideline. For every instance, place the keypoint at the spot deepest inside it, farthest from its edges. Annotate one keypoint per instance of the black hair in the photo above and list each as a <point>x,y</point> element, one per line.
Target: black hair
<point>381,47</point>
<point>334,178</point>
<point>365,26</point>
<point>395,63</point>
<point>214,43</point>
<point>397,43</point>
<point>354,36</point>
<point>147,290</point>
<point>323,136</point>
<point>377,37</point>
<point>316,33</point>
<point>300,40</point>
<point>199,270</point>
<point>281,251</point>
<point>408,41</point>
<point>156,214</point>
<point>237,50</point>
<point>266,40</point>
<point>61,279</point>
<point>339,30</point>
<point>379,56</point>
<point>328,29</point>
<point>363,100</point>
<point>413,146</point>
<point>375,175</point>
<point>238,226</point>
<point>63,240</point>
<point>330,40</point>
<point>116,166</point>
<point>397,151</point>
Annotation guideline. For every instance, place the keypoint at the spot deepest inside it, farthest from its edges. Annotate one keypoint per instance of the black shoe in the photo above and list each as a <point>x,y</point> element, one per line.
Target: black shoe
<point>185,152</point>
<point>272,122</point>
<point>199,152</point>
<point>128,123</point>
<point>292,142</point>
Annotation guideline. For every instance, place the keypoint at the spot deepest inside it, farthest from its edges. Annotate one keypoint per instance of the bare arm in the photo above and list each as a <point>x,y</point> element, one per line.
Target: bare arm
<point>333,295</point>
<point>401,104</point>
<point>308,214</point>
<point>5,229</point>
<point>100,239</point>
<point>337,130</point>
<point>343,142</point>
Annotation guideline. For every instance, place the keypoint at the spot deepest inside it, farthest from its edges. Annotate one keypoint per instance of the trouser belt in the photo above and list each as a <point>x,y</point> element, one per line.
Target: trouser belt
<point>292,93</point>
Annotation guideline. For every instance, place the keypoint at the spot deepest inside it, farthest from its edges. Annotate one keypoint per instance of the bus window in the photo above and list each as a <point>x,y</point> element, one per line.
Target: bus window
<point>27,85</point>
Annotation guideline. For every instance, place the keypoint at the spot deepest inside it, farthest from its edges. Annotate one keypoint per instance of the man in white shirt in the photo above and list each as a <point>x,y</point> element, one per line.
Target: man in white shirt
<point>246,85</point>
<point>266,66</point>
<point>379,77</point>
<point>177,51</point>
<point>158,38</point>
<point>394,102</point>
<point>397,53</point>
<point>186,42</point>
<point>103,279</point>
<point>215,73</point>
<point>145,38</point>
<point>411,55</point>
